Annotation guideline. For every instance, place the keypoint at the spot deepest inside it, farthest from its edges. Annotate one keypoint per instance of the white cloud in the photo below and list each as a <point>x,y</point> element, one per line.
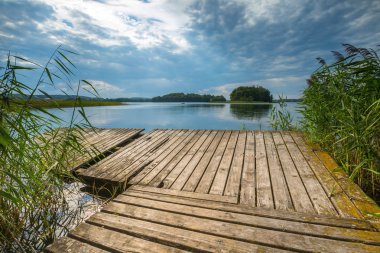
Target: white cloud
<point>6,35</point>
<point>117,23</point>
<point>104,87</point>
<point>271,11</point>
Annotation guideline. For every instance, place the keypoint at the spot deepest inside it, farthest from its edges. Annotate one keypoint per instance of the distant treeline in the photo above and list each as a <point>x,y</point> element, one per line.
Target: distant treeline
<point>172,97</point>
<point>60,103</point>
<point>251,94</point>
<point>190,97</point>
<point>57,97</point>
<point>136,99</point>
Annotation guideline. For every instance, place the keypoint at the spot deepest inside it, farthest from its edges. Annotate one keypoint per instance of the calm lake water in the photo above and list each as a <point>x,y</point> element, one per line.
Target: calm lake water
<point>181,115</point>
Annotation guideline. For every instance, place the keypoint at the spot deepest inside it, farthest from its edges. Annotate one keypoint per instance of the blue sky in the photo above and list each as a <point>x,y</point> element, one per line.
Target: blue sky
<point>146,48</point>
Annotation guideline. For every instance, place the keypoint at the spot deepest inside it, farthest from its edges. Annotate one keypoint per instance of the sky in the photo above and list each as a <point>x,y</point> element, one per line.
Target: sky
<point>135,48</point>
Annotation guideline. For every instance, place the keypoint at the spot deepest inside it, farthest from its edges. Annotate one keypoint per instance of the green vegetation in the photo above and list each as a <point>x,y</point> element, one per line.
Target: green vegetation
<point>55,103</point>
<point>190,97</point>
<point>341,113</point>
<point>280,117</point>
<point>133,99</point>
<point>34,205</point>
<point>251,94</point>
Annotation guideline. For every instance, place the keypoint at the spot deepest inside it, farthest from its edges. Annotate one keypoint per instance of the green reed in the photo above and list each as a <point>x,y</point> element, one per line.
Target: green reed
<point>34,209</point>
<point>280,117</point>
<point>341,113</point>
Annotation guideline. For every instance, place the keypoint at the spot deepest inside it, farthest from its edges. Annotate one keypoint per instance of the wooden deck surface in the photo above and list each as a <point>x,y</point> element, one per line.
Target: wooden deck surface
<point>216,190</point>
<point>99,141</point>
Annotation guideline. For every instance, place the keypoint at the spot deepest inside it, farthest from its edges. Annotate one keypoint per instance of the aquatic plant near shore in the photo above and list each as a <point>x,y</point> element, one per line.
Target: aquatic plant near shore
<point>341,110</point>
<point>341,113</point>
<point>33,205</point>
<point>280,117</point>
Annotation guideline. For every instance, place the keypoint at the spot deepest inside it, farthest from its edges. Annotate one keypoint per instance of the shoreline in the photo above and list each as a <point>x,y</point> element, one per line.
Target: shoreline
<point>72,103</point>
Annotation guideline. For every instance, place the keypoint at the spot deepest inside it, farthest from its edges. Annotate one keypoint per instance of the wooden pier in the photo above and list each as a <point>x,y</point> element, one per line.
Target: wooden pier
<point>225,191</point>
<point>95,142</point>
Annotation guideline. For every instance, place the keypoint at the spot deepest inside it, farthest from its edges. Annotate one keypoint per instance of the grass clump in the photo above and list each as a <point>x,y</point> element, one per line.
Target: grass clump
<point>341,112</point>
<point>34,209</point>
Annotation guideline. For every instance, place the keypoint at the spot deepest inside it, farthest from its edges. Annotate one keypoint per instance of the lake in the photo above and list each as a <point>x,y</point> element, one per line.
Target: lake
<point>181,115</point>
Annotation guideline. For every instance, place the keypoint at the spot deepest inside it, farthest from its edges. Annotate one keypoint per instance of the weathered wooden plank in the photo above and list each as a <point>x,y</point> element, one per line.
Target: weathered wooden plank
<point>221,175</point>
<point>159,171</point>
<point>101,143</point>
<point>356,194</point>
<point>248,181</point>
<point>254,235</point>
<point>129,158</point>
<point>233,181</point>
<point>106,165</point>
<point>280,189</point>
<point>207,178</point>
<point>116,138</point>
<point>180,167</point>
<point>117,241</point>
<point>104,136</point>
<point>90,138</point>
<point>336,194</point>
<point>129,154</point>
<point>182,238</point>
<point>148,157</point>
<point>184,194</point>
<point>164,156</point>
<point>190,167</point>
<point>264,192</point>
<point>362,202</point>
<point>109,164</point>
<point>270,213</point>
<point>66,244</point>
<point>131,149</point>
<point>194,179</point>
<point>185,155</point>
<point>112,140</point>
<point>300,198</point>
<point>330,232</point>
<point>318,196</point>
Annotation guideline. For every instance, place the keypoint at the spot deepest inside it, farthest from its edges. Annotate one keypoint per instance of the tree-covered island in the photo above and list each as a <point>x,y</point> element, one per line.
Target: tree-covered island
<point>190,97</point>
<point>254,93</point>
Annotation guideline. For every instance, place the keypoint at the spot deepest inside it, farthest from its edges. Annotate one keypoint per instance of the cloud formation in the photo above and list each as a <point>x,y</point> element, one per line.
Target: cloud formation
<point>102,86</point>
<point>118,23</point>
<point>149,48</point>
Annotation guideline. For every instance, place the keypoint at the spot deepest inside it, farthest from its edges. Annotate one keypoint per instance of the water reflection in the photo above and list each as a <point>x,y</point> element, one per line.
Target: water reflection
<point>198,105</point>
<point>191,108</point>
<point>179,115</point>
<point>250,111</point>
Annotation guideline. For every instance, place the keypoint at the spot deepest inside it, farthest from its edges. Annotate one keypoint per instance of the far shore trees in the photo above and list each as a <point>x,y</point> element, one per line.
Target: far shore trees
<point>190,97</point>
<point>254,93</point>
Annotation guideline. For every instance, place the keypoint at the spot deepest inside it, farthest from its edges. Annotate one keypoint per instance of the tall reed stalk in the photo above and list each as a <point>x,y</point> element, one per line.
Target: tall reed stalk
<point>34,208</point>
<point>280,117</point>
<point>341,112</point>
